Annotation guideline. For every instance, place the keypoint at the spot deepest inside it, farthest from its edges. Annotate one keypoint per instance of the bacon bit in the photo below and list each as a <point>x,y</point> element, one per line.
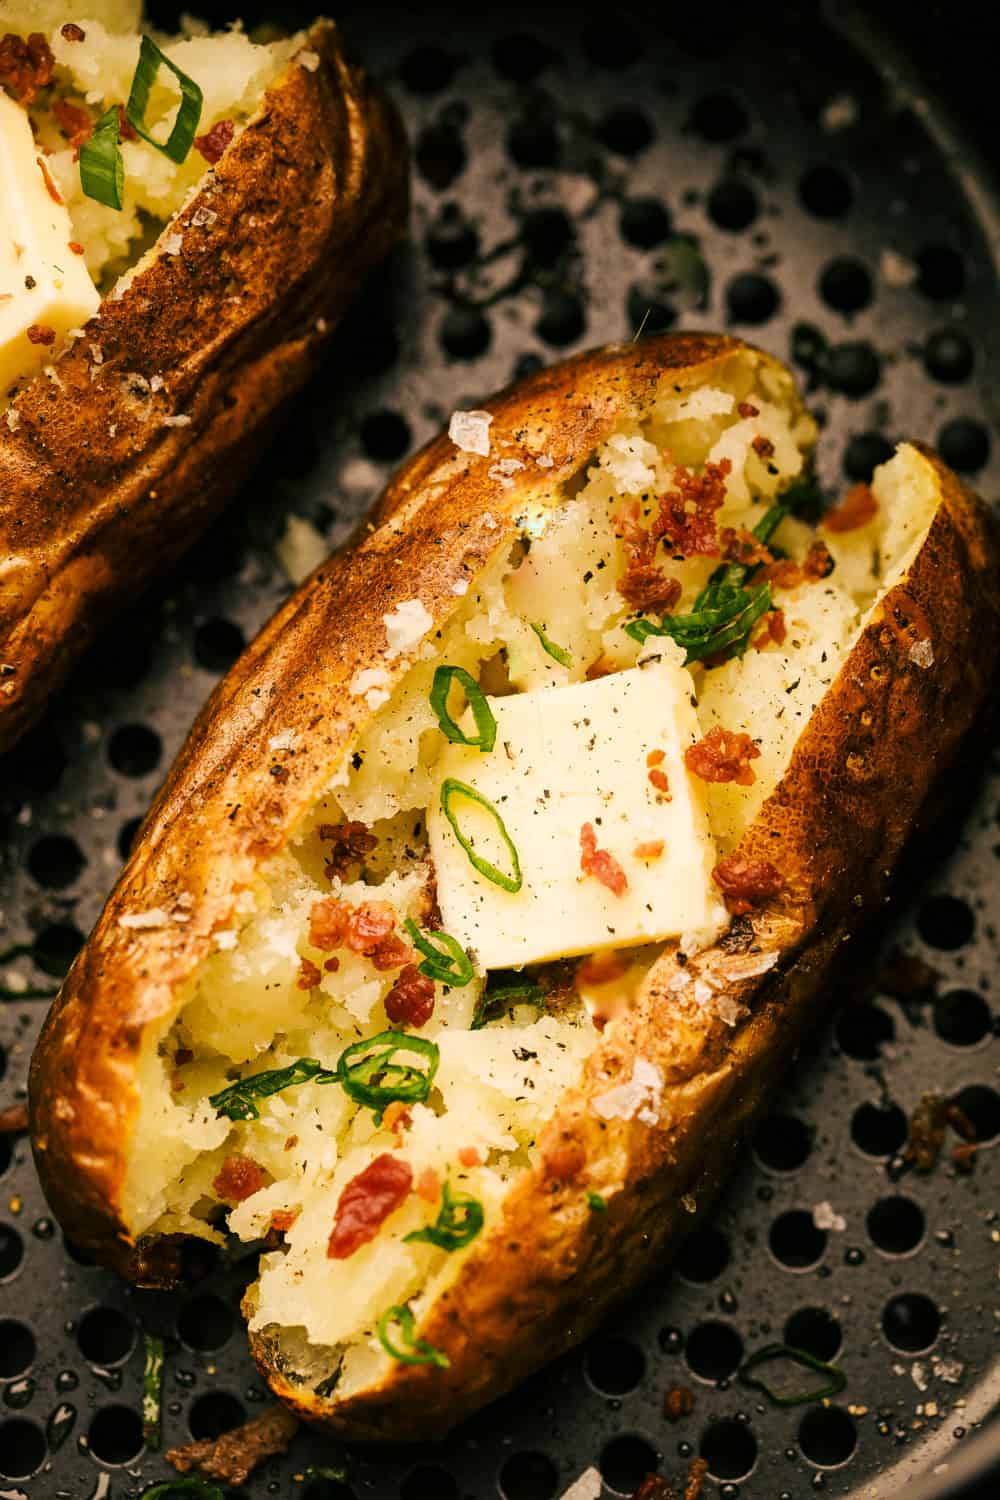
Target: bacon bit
<point>652,849</point>
<point>678,1402</point>
<point>239,1178</point>
<point>41,333</point>
<point>747,409</point>
<point>469,1156</point>
<point>71,32</point>
<point>818,562</point>
<point>659,780</point>
<point>687,513</point>
<point>656,757</point>
<point>926,1135</point>
<point>47,178</point>
<point>126,129</point>
<point>283,1218</point>
<point>332,965</point>
<point>14,1119</point>
<point>25,66</point>
<point>746,881</point>
<point>366,929</point>
<point>601,968</point>
<point>964,1156</point>
<point>397,1118</point>
<point>566,1161</point>
<point>410,1002</point>
<point>723,756</point>
<point>763,446</point>
<point>76,247</point>
<point>599,863</point>
<point>309,975</point>
<point>429,1185</point>
<point>697,1474</point>
<point>788,574</point>
<point>775,630</point>
<point>327,923</point>
<point>368,926</point>
<point>741,546</point>
<point>602,667</point>
<point>74,123</point>
<point>366,1202</point>
<point>644,586</point>
<point>856,509</point>
<point>233,1457</point>
<point>655,1487</point>
<point>213,144</point>
<point>351,842</point>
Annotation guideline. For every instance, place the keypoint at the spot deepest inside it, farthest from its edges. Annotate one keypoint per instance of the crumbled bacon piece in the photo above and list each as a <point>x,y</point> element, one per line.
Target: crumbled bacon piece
<point>468,1156</point>
<point>41,333</point>
<point>856,509</point>
<point>213,144</point>
<point>678,1402</point>
<point>25,65</point>
<point>599,863</point>
<point>775,630</point>
<point>723,755</point>
<point>687,512</point>
<point>746,881</point>
<point>654,1487</point>
<point>71,32</point>
<point>282,1219</point>
<point>788,574</point>
<point>697,1474</point>
<point>74,123</point>
<point>50,186</point>
<point>392,952</point>
<point>600,968</point>
<point>747,409</point>
<point>763,446</point>
<point>410,1002</point>
<point>351,842</point>
<point>651,849</point>
<point>739,545</point>
<point>368,925</point>
<point>233,1457</point>
<point>660,781</point>
<point>644,586</point>
<point>366,929</point>
<point>818,562</point>
<point>126,129</point>
<point>331,965</point>
<point>397,1118</point>
<point>429,1185</point>
<point>77,248</point>
<point>565,1161</point>
<point>328,923</point>
<point>656,757</point>
<point>309,975</point>
<point>238,1178</point>
<point>366,1202</point>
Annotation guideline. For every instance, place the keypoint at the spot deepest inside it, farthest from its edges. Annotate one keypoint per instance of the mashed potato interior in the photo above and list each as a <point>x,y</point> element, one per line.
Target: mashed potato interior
<point>269,995</point>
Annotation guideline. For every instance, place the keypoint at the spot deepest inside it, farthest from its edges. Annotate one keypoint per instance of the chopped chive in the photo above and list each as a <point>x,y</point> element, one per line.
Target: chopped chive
<point>722,621</point>
<point>450,789</point>
<point>185,126</point>
<point>492,1003</point>
<point>370,1076</point>
<point>596,1203</point>
<point>413,1351</point>
<point>836,1381</point>
<point>170,1489</point>
<point>448,963</point>
<point>557,653</point>
<point>486,724</point>
<point>152,1391</point>
<point>102,169</point>
<point>459,1220</point>
<point>237,1101</point>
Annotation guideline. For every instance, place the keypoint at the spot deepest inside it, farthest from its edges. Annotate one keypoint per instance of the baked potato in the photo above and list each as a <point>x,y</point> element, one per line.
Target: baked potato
<point>222,277</point>
<point>462,1011</point>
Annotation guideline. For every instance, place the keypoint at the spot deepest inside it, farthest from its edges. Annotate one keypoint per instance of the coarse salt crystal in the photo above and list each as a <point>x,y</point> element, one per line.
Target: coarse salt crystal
<point>139,920</point>
<point>203,217</point>
<point>97,354</point>
<point>156,382</point>
<point>470,431</point>
<point>171,244</point>
<point>371,684</point>
<point>225,939</point>
<point>460,587</point>
<point>179,421</point>
<point>918,1374</point>
<point>895,269</point>
<point>948,1370</point>
<point>308,60</point>
<point>545,461</point>
<point>702,991</point>
<point>406,626</point>
<point>638,1098</point>
<point>825,1217</point>
<point>922,653</point>
<point>286,740</point>
<point>13,419</point>
<point>728,1010</point>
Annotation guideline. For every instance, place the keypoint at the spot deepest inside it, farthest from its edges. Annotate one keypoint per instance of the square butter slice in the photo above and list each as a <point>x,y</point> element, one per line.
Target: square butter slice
<point>565,757</point>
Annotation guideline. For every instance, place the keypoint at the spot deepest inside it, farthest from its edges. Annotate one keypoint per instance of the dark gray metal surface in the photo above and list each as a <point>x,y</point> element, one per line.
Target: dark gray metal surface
<point>573,180</point>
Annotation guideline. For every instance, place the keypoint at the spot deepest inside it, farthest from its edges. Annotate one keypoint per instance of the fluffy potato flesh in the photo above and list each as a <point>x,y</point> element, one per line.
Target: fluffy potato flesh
<point>272,994</point>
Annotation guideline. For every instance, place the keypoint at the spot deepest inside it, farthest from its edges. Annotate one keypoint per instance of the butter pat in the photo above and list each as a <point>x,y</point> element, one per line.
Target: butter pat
<point>44,285</point>
<point>565,757</point>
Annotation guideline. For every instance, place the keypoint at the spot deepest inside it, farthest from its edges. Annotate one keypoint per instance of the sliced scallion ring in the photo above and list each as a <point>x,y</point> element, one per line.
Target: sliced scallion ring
<point>185,126</point>
<point>370,1075</point>
<point>835,1382</point>
<point>459,1220</point>
<point>452,789</point>
<point>486,724</point>
<point>409,1350</point>
<point>445,960</point>
<point>492,1003</point>
<point>102,170</point>
<point>557,653</point>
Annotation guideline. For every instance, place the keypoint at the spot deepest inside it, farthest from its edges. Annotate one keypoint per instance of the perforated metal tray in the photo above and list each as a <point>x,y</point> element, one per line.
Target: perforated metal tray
<point>575,179</point>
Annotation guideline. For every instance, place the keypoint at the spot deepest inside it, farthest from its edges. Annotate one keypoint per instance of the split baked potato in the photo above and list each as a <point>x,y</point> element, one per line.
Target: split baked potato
<point>497,882</point>
<point>213,288</point>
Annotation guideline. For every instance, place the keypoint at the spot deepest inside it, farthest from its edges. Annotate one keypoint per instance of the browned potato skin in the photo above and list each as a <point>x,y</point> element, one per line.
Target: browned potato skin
<point>858,778</point>
<point>96,495</point>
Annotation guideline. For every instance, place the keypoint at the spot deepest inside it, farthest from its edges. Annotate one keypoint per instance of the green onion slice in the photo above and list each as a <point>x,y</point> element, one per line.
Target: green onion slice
<point>102,169</point>
<point>170,1489</point>
<point>718,622</point>
<point>486,724</point>
<point>557,653</point>
<point>836,1378</point>
<point>409,1351</point>
<point>493,1003</point>
<point>596,1203</point>
<point>237,1101</point>
<point>445,960</point>
<point>459,1220</point>
<point>152,1391</point>
<point>185,126</point>
<point>370,1074</point>
<point>452,789</point>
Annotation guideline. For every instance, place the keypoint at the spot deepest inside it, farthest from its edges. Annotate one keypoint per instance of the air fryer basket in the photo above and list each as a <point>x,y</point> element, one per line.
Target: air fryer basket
<point>578,179</point>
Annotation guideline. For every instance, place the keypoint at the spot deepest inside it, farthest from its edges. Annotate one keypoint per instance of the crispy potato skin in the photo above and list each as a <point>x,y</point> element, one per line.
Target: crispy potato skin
<point>545,1276</point>
<point>97,496</point>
